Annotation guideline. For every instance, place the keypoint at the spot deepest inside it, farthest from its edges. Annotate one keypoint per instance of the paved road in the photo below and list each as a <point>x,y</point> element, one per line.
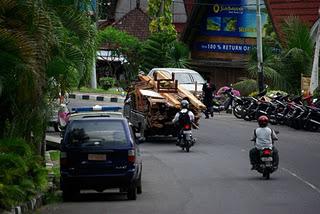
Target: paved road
<point>215,177</point>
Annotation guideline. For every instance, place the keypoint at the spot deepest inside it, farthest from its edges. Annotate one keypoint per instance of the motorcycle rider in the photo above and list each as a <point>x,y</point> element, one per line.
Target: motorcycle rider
<point>263,137</point>
<point>182,116</point>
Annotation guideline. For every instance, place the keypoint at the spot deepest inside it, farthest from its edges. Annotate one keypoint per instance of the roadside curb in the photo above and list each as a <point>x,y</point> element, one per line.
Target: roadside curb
<point>27,207</point>
<point>112,99</point>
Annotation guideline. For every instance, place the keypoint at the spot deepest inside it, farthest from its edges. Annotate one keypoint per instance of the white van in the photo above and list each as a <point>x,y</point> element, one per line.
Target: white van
<point>186,77</point>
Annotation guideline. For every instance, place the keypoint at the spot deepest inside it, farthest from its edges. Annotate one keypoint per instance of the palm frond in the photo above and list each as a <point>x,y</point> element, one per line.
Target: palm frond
<point>297,35</point>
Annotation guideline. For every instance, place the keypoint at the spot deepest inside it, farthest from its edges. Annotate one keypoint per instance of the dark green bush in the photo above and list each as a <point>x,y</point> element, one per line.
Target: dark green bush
<point>22,173</point>
<point>106,82</point>
<point>246,86</point>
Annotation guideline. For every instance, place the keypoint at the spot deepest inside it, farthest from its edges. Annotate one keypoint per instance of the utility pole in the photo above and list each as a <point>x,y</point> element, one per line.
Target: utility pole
<point>93,73</point>
<point>259,49</point>
<point>315,67</point>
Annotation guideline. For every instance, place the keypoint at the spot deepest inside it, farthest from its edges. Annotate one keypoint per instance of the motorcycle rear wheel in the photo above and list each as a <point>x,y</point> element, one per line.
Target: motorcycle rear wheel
<point>187,145</point>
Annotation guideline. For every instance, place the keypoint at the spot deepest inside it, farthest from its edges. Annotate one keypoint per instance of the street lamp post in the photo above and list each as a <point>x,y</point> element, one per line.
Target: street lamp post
<point>93,73</point>
<point>259,49</point>
<point>315,67</point>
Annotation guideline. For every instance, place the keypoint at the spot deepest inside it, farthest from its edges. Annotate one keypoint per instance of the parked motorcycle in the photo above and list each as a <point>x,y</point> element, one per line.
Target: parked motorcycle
<point>231,100</point>
<point>60,117</point>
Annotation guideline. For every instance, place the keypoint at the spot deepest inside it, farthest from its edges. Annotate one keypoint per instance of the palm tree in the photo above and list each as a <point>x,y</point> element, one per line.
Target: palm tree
<point>76,44</point>
<point>271,61</point>
<point>39,40</point>
<point>283,70</point>
<point>178,55</point>
<point>297,52</point>
<point>163,50</point>
<point>25,36</point>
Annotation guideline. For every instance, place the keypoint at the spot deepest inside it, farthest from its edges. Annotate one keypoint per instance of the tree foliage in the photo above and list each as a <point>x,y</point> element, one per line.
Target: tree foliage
<point>42,43</point>
<point>123,44</point>
<point>22,173</point>
<point>161,16</point>
<point>163,50</point>
<point>283,69</point>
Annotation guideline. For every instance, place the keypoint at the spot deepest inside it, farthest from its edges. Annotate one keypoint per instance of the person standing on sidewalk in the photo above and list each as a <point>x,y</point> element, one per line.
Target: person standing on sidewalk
<point>207,93</point>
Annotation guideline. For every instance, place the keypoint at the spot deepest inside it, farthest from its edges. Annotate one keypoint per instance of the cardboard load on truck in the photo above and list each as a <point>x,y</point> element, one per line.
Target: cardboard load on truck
<point>159,98</point>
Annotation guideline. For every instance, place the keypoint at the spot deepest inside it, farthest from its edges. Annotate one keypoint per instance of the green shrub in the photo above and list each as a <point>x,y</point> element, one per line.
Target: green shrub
<point>106,82</point>
<point>246,86</point>
<point>22,173</point>
<point>54,155</point>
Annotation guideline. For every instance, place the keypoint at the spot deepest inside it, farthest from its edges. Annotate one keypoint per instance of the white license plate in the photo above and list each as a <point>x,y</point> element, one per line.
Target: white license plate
<point>97,157</point>
<point>187,132</point>
<point>266,159</point>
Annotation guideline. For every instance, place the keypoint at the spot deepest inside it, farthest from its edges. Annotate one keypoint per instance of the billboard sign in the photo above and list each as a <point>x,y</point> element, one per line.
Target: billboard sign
<point>234,18</point>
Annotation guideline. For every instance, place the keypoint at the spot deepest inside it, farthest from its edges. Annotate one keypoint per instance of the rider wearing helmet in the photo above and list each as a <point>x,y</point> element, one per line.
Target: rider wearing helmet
<point>183,115</point>
<point>263,137</point>
<point>184,104</point>
<point>184,108</point>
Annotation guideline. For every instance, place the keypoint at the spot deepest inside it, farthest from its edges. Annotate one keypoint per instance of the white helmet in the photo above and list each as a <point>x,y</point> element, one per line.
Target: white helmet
<point>184,104</point>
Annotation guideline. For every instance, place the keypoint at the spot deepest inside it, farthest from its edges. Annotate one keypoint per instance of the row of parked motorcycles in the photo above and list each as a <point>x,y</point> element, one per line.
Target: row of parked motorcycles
<point>294,111</point>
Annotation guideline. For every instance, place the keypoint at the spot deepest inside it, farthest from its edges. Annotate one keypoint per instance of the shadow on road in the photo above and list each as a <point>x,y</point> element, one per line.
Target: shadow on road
<point>161,140</point>
<point>96,197</point>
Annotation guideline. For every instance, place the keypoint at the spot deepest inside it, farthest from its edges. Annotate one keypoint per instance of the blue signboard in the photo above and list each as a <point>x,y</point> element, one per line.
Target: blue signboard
<point>223,47</point>
<point>236,18</point>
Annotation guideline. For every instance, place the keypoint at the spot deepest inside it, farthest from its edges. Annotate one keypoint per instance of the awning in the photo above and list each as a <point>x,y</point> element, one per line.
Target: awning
<point>107,55</point>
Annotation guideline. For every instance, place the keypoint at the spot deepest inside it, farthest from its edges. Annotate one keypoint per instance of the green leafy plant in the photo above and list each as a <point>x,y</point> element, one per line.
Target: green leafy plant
<point>283,69</point>
<point>47,40</point>
<point>246,87</point>
<point>123,45</point>
<point>106,82</point>
<point>22,172</point>
<point>161,16</point>
<point>163,50</point>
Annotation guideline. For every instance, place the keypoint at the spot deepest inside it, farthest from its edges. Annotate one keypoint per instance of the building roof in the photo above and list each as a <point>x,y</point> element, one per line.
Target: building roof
<point>306,10</point>
<point>188,4</point>
<point>135,23</point>
<point>193,22</point>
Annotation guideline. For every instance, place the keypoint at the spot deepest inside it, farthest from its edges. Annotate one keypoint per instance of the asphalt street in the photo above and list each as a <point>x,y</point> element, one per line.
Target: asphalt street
<point>215,176</point>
